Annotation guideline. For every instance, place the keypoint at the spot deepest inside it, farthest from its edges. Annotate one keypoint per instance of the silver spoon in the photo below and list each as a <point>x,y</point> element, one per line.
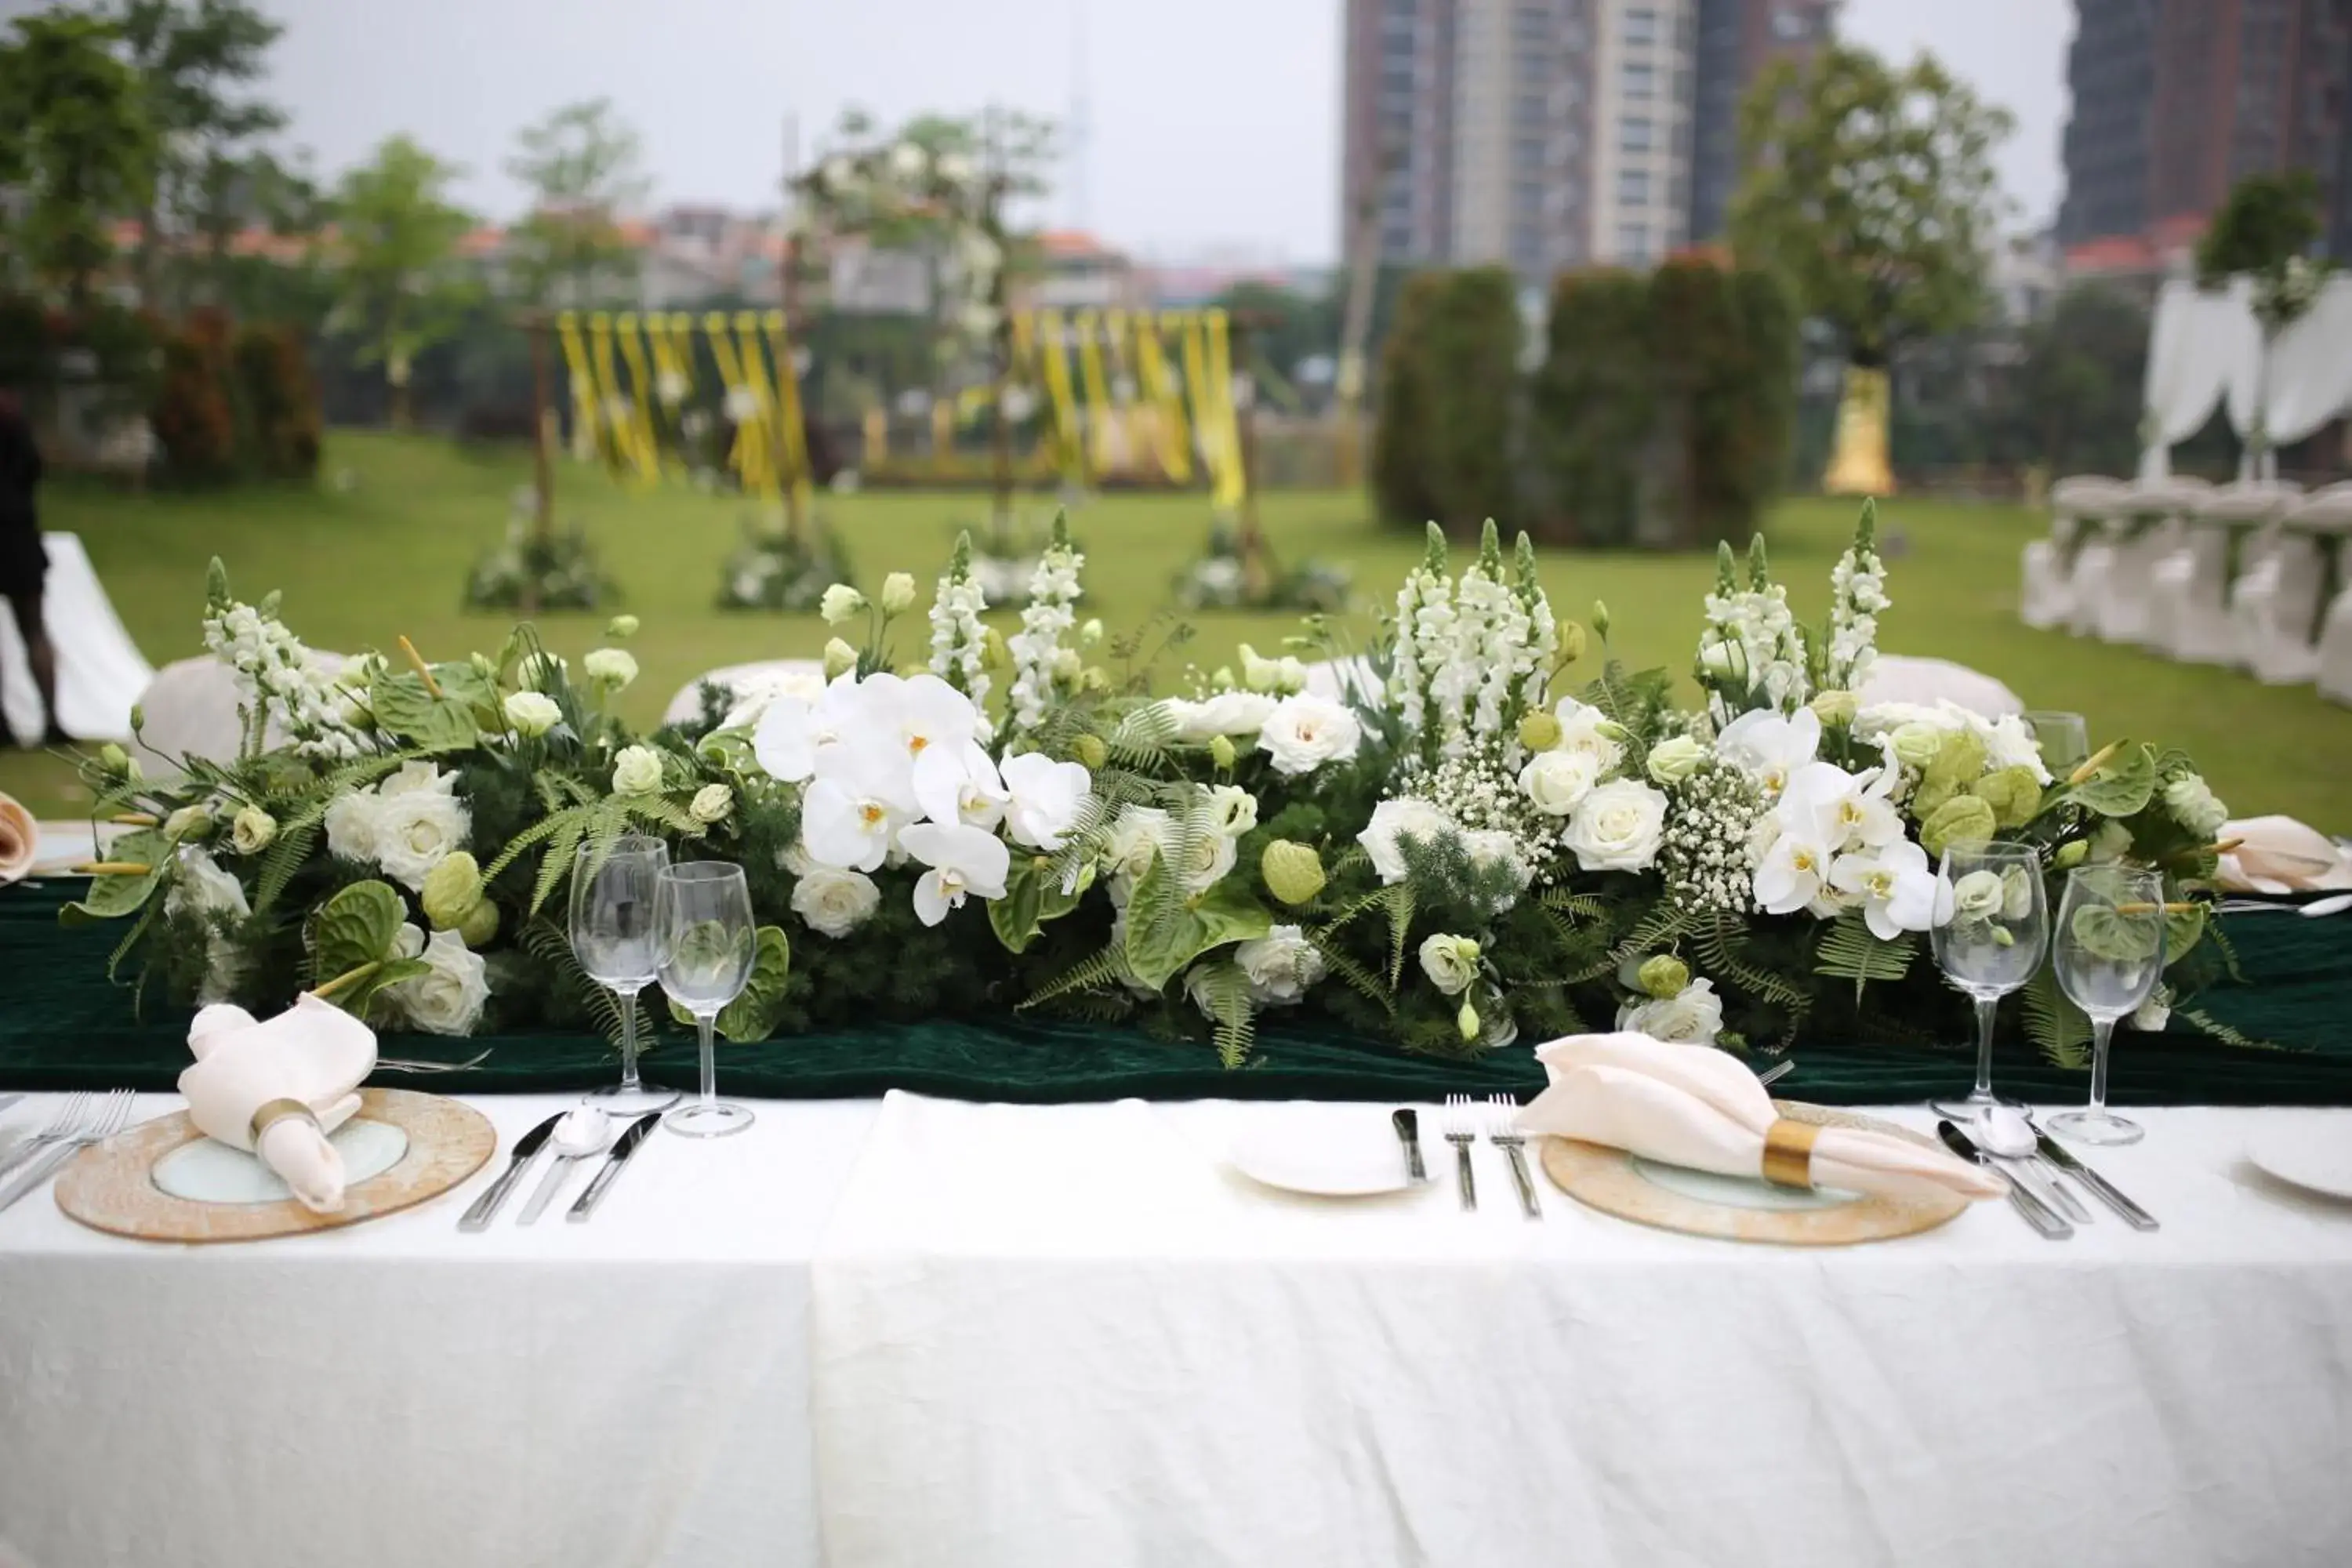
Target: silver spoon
<point>584,1133</point>
<point>2005,1133</point>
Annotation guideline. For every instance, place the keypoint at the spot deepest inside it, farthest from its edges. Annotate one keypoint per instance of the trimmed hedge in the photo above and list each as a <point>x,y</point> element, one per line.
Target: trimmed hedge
<point>1444,448</point>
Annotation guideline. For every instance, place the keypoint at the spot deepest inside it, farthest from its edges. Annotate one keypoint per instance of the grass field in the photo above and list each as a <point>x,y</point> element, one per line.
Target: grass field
<point>388,556</point>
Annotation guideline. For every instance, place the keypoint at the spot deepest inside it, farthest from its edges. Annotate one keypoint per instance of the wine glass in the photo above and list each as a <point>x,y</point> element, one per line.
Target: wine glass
<point>1993,921</point>
<point>2110,955</point>
<point>2063,738</point>
<point>613,937</point>
<point>709,941</point>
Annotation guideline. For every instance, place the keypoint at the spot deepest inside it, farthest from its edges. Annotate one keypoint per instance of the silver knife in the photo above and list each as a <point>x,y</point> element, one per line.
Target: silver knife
<point>486,1207</point>
<point>2030,1209</point>
<point>619,1157</point>
<point>2058,1154</point>
<point>1407,1123</point>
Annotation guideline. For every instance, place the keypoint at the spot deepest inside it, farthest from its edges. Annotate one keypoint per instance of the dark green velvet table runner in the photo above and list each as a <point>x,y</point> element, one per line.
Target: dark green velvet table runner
<point>63,1025</point>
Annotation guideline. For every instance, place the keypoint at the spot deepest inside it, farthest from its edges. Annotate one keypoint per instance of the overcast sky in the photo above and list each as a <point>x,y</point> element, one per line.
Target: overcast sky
<point>1212,124</point>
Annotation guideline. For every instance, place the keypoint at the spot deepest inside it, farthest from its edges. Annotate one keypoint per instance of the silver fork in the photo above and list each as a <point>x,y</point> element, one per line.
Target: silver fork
<point>1462,1131</point>
<point>106,1119</point>
<point>67,1117</point>
<point>1513,1142</point>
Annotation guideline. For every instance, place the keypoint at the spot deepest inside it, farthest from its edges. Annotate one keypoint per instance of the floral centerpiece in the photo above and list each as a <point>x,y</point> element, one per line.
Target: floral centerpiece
<point>1479,830</point>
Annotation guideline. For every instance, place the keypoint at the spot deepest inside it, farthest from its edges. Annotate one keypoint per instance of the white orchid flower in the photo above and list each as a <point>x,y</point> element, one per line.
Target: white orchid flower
<point>793,728</point>
<point>860,797</point>
<point>962,861</point>
<point>1046,797</point>
<point>975,797</point>
<point>1895,884</point>
<point>1770,748</point>
<point>1793,874</point>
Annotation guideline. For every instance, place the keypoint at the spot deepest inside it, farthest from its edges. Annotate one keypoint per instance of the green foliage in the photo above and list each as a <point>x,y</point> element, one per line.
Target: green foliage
<point>2266,221</point>
<point>2124,783</point>
<point>2061,1029</point>
<point>1850,951</point>
<point>115,896</point>
<point>583,164</point>
<point>1594,404</point>
<point>1223,988</point>
<point>401,289</point>
<point>352,938</point>
<point>1033,895</point>
<point>1443,449</point>
<point>76,139</point>
<point>753,1015</point>
<point>1167,930</point>
<point>550,946</point>
<point>1870,190</point>
<point>405,708</point>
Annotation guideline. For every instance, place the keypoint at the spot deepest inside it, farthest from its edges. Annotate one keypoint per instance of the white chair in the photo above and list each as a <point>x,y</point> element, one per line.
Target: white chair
<point>2334,655</point>
<point>2144,527</point>
<point>2274,607</point>
<point>2092,549</point>
<point>1893,678</point>
<point>2188,601</point>
<point>2048,564</point>
<point>1349,680</point>
<point>750,688</point>
<point>190,708</point>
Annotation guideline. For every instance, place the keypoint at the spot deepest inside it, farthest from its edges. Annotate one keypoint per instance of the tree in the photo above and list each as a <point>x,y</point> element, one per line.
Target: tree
<point>76,140</point>
<point>2074,404</point>
<point>401,291</point>
<point>1870,191</point>
<point>583,165</point>
<point>192,57</point>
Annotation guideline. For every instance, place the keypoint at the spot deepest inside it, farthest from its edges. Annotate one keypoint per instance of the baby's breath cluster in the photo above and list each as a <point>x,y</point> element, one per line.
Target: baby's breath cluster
<point>1706,857</point>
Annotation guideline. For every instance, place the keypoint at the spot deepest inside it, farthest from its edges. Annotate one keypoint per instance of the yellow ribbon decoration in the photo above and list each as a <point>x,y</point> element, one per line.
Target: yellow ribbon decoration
<point>673,360</point>
<point>1207,428</point>
<point>788,378</point>
<point>1050,347</point>
<point>750,456</point>
<point>1098,385</point>
<point>587,407</point>
<point>1233,479</point>
<point>1160,387</point>
<point>645,444</point>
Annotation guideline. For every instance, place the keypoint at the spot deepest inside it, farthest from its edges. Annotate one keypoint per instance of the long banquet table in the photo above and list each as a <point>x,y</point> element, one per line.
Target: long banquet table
<point>929,1332</point>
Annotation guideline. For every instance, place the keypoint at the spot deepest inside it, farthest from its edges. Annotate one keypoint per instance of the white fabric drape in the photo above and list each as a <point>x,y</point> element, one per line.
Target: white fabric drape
<point>2206,349</point>
<point>2309,377</point>
<point>100,670</point>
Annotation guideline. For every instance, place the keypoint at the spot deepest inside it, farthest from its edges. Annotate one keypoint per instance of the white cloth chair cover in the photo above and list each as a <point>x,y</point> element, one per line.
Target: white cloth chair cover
<point>2049,596</point>
<point>2334,655</point>
<point>2189,604</point>
<point>2095,565</point>
<point>752,688</point>
<point>191,710</point>
<point>1896,678</point>
<point>1345,680</point>
<point>2274,607</point>
<point>100,671</point>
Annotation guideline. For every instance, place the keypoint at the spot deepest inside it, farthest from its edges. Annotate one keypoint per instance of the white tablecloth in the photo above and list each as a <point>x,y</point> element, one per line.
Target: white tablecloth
<point>1066,1335</point>
<point>630,1391</point>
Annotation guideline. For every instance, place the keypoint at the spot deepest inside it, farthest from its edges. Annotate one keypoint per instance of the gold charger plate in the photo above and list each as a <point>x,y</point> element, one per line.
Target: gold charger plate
<point>110,1186</point>
<point>1615,1183</point>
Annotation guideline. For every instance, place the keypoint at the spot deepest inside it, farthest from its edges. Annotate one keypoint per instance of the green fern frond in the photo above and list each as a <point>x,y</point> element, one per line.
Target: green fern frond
<point>1357,978</point>
<point>2055,1024</point>
<point>2214,1028</point>
<point>556,863</point>
<point>1848,951</point>
<point>287,854</point>
<point>1574,906</point>
<point>1225,989</point>
<point>1660,929</point>
<point>1399,899</point>
<point>547,943</point>
<point>1721,945</point>
<point>1105,968</point>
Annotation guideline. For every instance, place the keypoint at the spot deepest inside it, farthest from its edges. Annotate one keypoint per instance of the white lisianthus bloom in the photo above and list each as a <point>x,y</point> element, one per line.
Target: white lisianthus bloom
<point>834,902</point>
<point>1224,713</point>
<point>611,667</point>
<point>1258,673</point>
<point>1450,961</point>
<point>418,778</point>
<point>1693,1016</point>
<point>538,671</point>
<point>962,860</point>
<point>351,824</point>
<point>188,822</point>
<point>1793,873</point>
<point>414,831</point>
<point>1280,965</point>
<point>1395,819</point>
<point>1135,838</point>
<point>1978,896</point>
<point>636,770</point>
<point>1588,732</point>
<point>841,604</point>
<point>897,594</point>
<point>1305,732</point>
<point>1674,759</point>
<point>1046,797</point>
<point>1618,827</point>
<point>448,999</point>
<point>532,712</point>
<point>1212,856</point>
<point>251,830</point>
<point>712,802</point>
<point>1894,883</point>
<point>2193,804</point>
<point>1558,781</point>
<point>1233,810</point>
<point>2152,1015</point>
<point>2008,743</point>
<point>1769,747</point>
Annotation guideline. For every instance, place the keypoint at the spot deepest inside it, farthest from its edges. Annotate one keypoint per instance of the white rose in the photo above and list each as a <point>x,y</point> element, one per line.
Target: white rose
<point>1305,732</point>
<point>1693,1015</point>
<point>532,713</point>
<point>203,887</point>
<point>447,998</point>
<point>1392,820</point>
<point>1558,782</point>
<point>1618,827</point>
<point>1281,965</point>
<point>1675,758</point>
<point>1584,728</point>
<point>1233,810</point>
<point>1450,961</point>
<point>1225,713</point>
<point>835,903</point>
<point>636,770</point>
<point>841,603</point>
<point>712,802</point>
<point>1213,855</point>
<point>414,831</point>
<point>1493,846</point>
<point>350,825</point>
<point>611,666</point>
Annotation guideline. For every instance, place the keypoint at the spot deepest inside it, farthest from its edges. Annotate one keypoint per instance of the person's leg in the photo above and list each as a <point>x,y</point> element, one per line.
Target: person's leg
<point>42,655</point>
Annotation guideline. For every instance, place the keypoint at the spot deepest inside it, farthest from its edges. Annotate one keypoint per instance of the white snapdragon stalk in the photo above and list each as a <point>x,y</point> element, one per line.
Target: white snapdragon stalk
<point>958,639</point>
<point>1857,596</point>
<point>1408,683</point>
<point>1543,631</point>
<point>1751,654</point>
<point>1492,639</point>
<point>274,669</point>
<point>1052,591</point>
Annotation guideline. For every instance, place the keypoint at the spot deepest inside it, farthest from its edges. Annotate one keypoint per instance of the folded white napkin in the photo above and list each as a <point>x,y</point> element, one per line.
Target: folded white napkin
<point>2280,855</point>
<point>313,1054</point>
<point>20,841</point>
<point>1696,1106</point>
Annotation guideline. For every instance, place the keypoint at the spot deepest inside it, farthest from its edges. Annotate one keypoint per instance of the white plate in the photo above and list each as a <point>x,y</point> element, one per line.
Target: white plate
<point>2314,1155</point>
<point>1329,1151</point>
<point>1739,1192</point>
<point>207,1172</point>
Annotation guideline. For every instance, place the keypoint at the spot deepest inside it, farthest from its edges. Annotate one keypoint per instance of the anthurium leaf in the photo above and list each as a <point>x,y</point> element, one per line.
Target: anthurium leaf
<point>2122,786</point>
<point>356,928</point>
<point>2183,928</point>
<point>403,706</point>
<point>1226,913</point>
<point>752,1016</point>
<point>464,683</point>
<point>2109,933</point>
<point>117,894</point>
<point>362,997</point>
<point>1033,897</point>
<point>1159,950</point>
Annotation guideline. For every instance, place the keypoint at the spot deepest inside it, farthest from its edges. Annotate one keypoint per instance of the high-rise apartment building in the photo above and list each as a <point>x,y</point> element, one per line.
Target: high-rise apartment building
<point>2176,100</point>
<point>1544,134</point>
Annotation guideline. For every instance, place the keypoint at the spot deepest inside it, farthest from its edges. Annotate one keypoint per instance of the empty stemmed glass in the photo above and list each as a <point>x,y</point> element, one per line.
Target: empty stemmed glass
<point>2109,953</point>
<point>708,942</point>
<point>2062,739</point>
<point>614,939</point>
<point>1992,926</point>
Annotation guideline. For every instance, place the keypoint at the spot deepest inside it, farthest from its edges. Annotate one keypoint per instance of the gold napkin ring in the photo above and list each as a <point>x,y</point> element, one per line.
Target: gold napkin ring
<point>276,1111</point>
<point>1788,1153</point>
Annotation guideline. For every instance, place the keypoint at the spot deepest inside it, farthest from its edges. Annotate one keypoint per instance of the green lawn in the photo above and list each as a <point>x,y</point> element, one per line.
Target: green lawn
<point>388,556</point>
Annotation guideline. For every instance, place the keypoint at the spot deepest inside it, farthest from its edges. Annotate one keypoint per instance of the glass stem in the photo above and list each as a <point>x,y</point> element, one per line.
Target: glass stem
<point>629,1081</point>
<point>703,1022</point>
<point>2102,1031</point>
<point>1985,1007</point>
